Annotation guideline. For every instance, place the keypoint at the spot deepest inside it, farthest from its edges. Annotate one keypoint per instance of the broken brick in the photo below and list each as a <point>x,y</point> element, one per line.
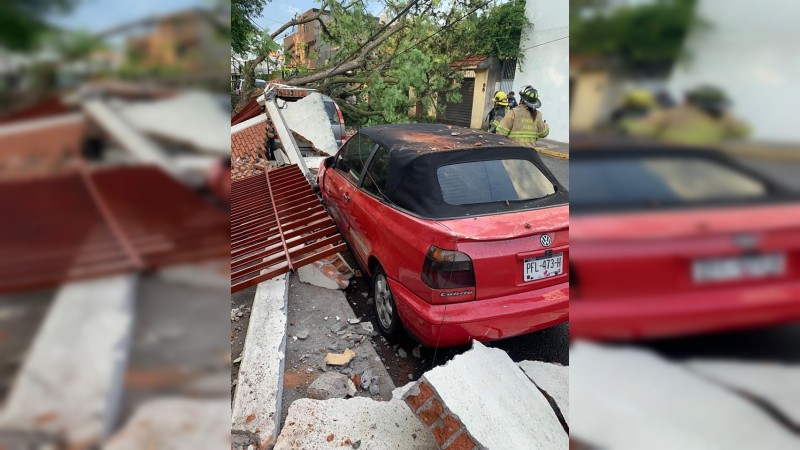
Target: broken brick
<point>448,429</point>
<point>415,401</point>
<point>462,442</point>
<point>431,413</point>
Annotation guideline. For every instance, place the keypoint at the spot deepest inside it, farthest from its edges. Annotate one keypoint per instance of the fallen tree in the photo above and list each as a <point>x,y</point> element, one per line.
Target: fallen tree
<point>381,70</point>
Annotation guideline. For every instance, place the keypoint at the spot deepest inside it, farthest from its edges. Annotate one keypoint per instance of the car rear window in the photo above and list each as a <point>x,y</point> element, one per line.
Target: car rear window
<point>330,108</point>
<point>491,181</point>
<point>658,181</point>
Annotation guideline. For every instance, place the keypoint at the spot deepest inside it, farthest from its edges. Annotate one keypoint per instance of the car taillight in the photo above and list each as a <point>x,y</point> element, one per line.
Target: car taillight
<point>341,122</point>
<point>447,269</point>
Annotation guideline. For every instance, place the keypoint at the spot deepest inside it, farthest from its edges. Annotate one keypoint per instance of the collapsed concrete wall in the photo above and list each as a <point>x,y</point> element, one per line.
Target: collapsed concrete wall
<point>627,398</point>
<point>307,117</point>
<point>481,399</point>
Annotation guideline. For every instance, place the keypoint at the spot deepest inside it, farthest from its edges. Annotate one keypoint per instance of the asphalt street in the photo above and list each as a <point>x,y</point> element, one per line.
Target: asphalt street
<point>559,167</point>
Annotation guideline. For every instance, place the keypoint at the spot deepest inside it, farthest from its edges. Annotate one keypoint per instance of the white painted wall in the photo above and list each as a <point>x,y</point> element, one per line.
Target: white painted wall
<point>546,64</point>
<point>750,51</point>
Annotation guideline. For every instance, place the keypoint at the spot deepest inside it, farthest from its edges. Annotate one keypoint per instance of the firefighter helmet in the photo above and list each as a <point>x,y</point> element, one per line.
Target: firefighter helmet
<point>500,98</point>
<point>530,97</point>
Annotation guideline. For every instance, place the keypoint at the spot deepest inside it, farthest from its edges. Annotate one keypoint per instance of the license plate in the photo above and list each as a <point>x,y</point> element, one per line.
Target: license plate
<point>739,268</point>
<point>542,267</point>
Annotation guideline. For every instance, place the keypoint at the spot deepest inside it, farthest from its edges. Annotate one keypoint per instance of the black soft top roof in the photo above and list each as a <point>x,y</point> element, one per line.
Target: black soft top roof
<point>419,138</point>
<point>417,150</point>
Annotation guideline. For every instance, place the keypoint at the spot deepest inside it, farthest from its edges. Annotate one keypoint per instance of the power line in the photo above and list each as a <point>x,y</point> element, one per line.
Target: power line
<point>545,43</point>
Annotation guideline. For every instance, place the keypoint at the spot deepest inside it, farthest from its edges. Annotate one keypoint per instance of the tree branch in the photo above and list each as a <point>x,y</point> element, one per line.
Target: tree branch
<point>294,22</point>
<point>353,62</point>
<point>356,111</point>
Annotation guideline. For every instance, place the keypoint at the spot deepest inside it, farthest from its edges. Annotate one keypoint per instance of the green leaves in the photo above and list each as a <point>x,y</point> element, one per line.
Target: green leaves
<point>650,34</point>
<point>264,45</point>
<point>242,29</point>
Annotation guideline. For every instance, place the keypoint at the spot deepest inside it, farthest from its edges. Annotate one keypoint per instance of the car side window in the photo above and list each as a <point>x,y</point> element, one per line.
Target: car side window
<point>353,157</point>
<point>377,173</point>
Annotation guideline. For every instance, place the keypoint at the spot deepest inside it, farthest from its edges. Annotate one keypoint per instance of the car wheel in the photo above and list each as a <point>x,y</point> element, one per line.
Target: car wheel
<point>385,307</point>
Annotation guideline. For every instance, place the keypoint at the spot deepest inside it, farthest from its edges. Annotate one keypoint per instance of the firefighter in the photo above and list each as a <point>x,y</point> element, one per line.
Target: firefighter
<point>499,110</point>
<point>703,119</point>
<point>636,104</point>
<point>525,124</point>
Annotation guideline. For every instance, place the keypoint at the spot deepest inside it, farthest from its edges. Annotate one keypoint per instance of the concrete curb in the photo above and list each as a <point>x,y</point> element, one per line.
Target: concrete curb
<point>775,155</point>
<point>71,382</point>
<point>552,153</point>
<point>257,400</point>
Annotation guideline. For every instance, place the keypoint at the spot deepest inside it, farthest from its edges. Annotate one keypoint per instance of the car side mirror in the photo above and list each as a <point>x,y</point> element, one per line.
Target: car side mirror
<point>329,162</point>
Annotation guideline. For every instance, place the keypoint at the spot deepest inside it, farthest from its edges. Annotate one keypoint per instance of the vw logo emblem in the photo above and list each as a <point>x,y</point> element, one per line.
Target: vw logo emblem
<point>546,240</point>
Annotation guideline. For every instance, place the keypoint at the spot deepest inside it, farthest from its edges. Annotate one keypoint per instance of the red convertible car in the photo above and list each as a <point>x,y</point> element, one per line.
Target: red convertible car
<point>678,241</point>
<point>464,234</point>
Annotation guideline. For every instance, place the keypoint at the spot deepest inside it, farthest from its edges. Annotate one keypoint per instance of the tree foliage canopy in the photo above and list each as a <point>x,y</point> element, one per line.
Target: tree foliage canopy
<point>22,22</point>
<point>644,35</point>
<point>243,32</point>
<point>377,72</point>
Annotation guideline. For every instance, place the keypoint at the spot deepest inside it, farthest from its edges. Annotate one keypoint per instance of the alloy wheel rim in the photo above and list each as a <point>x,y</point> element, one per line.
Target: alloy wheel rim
<point>383,302</point>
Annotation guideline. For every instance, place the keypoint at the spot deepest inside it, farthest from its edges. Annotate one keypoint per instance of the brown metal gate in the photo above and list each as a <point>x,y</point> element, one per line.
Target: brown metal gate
<point>88,224</point>
<point>460,113</point>
<point>277,224</point>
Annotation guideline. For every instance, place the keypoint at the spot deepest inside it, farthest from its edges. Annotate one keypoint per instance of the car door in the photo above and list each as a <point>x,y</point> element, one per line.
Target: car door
<point>366,208</point>
<point>343,178</point>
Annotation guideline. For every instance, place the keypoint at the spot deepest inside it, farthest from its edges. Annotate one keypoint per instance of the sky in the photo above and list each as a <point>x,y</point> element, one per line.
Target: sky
<point>99,15</point>
<point>278,12</point>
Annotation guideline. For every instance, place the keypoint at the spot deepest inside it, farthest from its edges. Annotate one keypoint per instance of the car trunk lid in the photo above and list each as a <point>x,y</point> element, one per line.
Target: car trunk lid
<point>508,248</point>
<point>654,253</point>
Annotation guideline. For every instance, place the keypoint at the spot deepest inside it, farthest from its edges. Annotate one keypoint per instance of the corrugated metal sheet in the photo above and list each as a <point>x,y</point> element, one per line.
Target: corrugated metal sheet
<point>89,224</point>
<point>277,224</point>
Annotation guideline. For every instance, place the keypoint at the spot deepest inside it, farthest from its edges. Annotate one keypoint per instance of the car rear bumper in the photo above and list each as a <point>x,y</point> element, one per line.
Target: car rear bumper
<point>685,314</point>
<point>483,320</point>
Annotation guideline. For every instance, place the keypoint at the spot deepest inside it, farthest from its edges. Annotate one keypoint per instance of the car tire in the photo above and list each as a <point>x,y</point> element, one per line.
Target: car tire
<point>385,308</point>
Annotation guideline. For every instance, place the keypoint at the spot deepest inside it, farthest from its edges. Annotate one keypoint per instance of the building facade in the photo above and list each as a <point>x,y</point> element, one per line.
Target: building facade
<point>305,48</point>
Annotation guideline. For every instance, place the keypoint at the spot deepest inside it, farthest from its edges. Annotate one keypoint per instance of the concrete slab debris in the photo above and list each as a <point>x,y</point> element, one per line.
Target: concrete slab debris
<point>307,117</point>
<point>778,385</point>
<point>196,118</point>
<point>176,423</point>
<point>323,274</point>
<point>482,399</point>
<point>139,145</point>
<point>202,275</point>
<point>553,379</point>
<point>83,343</point>
<point>284,133</point>
<point>340,359</point>
<point>331,385</point>
<point>353,423</point>
<point>626,398</point>
<point>257,400</point>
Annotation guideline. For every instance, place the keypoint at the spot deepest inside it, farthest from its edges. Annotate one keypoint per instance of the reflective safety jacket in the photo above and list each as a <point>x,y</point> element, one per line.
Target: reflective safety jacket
<point>687,124</point>
<point>521,127</point>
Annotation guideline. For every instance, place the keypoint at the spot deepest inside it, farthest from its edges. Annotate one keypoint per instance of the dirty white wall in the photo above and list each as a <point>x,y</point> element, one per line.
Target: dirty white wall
<point>546,62</point>
<point>307,117</point>
<point>750,51</point>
